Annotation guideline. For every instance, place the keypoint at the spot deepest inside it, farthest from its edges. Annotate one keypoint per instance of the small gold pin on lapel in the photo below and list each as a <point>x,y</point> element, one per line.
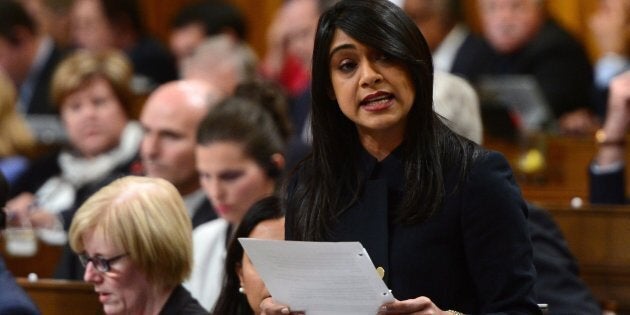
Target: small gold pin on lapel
<point>381,272</point>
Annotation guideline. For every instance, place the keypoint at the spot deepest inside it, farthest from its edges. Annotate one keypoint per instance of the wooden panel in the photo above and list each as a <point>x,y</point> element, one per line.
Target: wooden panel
<point>566,174</point>
<point>61,297</point>
<point>598,237</point>
<point>258,15</point>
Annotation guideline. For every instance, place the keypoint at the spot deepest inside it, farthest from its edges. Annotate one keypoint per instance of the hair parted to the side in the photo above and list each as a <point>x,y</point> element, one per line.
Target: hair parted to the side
<point>231,301</point>
<point>79,69</point>
<point>332,169</point>
<point>255,117</point>
<point>145,217</point>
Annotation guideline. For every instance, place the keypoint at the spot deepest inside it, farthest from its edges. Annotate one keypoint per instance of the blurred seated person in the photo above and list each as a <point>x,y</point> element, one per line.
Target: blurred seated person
<point>13,300</point>
<point>198,21</point>
<point>610,26</point>
<point>134,238</point>
<point>243,290</point>
<point>522,39</point>
<point>16,142</point>
<point>441,24</point>
<point>240,160</point>
<point>92,94</point>
<point>607,172</point>
<point>170,118</point>
<point>287,60</point>
<point>53,18</point>
<point>221,62</point>
<point>28,57</point>
<point>457,104</point>
<point>99,25</point>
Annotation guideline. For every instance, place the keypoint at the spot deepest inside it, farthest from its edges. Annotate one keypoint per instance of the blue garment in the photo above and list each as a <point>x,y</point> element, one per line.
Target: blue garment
<point>13,300</point>
<point>12,167</point>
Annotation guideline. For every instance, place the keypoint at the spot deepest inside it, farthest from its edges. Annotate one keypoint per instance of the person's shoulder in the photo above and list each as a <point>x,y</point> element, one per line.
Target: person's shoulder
<point>13,300</point>
<point>182,302</point>
<point>210,229</point>
<point>553,35</point>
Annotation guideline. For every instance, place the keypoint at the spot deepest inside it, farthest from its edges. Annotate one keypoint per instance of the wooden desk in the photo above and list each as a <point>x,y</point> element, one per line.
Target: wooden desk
<point>43,263</point>
<point>599,238</point>
<point>61,297</point>
<point>566,174</point>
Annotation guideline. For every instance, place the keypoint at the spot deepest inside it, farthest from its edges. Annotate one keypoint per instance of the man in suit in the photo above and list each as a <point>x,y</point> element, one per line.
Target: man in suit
<point>522,39</point>
<point>13,300</point>
<point>170,118</point>
<point>28,57</point>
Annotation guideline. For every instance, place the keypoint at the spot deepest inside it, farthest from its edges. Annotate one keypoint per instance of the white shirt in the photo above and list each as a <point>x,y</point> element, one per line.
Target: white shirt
<point>207,277</point>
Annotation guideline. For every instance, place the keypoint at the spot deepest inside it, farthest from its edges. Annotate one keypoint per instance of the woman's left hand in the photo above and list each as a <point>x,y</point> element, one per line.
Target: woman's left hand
<point>418,306</point>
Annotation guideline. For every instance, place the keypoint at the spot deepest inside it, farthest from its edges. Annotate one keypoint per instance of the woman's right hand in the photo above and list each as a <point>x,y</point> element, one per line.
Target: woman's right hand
<point>270,307</point>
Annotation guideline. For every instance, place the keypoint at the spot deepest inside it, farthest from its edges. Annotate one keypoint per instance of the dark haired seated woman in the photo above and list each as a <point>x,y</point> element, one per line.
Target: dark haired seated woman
<point>243,290</point>
<point>240,158</point>
<point>442,216</point>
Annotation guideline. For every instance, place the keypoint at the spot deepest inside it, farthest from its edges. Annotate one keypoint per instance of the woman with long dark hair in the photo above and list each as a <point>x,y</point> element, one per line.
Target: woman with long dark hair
<point>243,290</point>
<point>440,215</point>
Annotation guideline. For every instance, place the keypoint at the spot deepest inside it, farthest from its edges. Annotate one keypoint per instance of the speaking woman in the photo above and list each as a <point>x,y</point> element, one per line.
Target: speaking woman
<point>442,216</point>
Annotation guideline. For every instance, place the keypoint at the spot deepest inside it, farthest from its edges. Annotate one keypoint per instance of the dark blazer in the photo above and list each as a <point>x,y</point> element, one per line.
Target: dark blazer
<point>555,58</point>
<point>13,300</point>
<point>608,188</point>
<point>473,255</point>
<point>182,303</point>
<point>204,213</point>
<point>558,283</point>
<point>41,102</point>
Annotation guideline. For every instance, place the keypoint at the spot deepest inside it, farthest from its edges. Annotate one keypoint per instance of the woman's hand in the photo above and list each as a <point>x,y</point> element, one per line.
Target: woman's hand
<point>418,306</point>
<point>19,208</point>
<point>270,307</point>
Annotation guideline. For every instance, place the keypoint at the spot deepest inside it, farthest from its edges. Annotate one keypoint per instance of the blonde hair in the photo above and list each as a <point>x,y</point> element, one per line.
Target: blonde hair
<point>80,68</point>
<point>16,138</point>
<point>145,217</point>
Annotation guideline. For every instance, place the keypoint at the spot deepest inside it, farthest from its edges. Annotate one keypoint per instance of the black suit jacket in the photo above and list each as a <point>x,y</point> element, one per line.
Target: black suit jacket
<point>13,300</point>
<point>204,213</point>
<point>608,188</point>
<point>474,255</point>
<point>180,302</point>
<point>41,102</point>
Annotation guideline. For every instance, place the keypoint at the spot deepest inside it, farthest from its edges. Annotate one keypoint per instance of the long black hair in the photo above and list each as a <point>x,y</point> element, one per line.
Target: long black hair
<point>318,193</point>
<point>231,301</point>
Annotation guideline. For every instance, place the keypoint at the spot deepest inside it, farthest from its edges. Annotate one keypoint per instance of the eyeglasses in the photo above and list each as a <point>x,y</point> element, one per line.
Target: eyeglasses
<point>100,263</point>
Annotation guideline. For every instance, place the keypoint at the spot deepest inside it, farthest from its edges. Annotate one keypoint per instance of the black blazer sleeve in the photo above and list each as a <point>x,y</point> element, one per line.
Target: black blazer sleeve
<point>496,240</point>
<point>608,188</point>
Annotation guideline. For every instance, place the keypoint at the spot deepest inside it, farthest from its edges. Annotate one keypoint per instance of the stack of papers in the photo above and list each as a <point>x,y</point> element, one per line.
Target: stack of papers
<point>319,278</point>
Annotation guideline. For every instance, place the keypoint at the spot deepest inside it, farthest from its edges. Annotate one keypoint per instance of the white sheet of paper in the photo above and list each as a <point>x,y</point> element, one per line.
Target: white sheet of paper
<point>319,278</point>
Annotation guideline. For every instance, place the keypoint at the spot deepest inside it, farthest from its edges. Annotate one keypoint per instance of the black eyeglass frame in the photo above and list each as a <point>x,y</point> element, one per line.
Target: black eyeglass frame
<point>101,264</point>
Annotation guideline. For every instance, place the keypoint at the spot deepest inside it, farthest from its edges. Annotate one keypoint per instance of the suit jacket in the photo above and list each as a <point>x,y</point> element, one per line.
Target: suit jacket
<point>41,102</point>
<point>557,60</point>
<point>609,188</point>
<point>558,283</point>
<point>13,300</point>
<point>473,255</point>
<point>204,213</point>
<point>181,302</point>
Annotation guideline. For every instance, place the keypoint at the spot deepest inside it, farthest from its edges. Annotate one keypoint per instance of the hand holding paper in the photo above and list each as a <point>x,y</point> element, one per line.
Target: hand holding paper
<point>319,277</point>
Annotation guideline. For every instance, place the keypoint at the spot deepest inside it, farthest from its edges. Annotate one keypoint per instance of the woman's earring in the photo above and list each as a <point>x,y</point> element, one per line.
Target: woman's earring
<point>241,290</point>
